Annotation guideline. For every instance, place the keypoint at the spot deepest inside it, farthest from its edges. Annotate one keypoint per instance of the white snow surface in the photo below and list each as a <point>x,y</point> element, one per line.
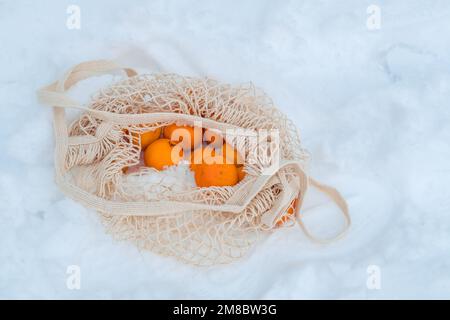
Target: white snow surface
<point>372,107</point>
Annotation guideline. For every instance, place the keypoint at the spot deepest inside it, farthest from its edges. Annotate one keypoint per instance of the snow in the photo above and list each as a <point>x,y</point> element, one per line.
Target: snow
<point>372,107</point>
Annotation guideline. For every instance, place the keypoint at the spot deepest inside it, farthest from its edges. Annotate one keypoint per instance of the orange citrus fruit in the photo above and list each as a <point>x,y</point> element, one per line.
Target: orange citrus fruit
<point>176,134</point>
<point>215,140</point>
<point>241,173</point>
<point>209,154</point>
<point>148,137</point>
<point>161,153</point>
<point>231,154</point>
<point>213,137</point>
<point>221,154</point>
<point>219,175</point>
<point>289,212</point>
<point>211,170</point>
<point>196,157</point>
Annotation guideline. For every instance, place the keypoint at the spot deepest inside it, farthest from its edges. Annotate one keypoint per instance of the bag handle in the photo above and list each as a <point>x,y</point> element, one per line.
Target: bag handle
<point>337,198</point>
<point>54,95</point>
<point>166,207</point>
<point>290,192</point>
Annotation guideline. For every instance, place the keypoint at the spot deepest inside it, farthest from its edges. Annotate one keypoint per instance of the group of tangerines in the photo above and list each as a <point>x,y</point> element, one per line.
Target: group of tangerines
<point>214,162</point>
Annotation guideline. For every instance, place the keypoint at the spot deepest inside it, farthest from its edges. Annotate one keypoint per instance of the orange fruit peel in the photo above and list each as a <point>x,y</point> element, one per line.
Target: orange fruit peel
<point>161,154</point>
<point>215,175</point>
<point>143,139</point>
<point>241,173</point>
<point>288,214</point>
<point>190,137</point>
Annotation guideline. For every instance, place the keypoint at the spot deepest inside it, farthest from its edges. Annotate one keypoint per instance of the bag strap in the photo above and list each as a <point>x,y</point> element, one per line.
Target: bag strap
<point>290,192</point>
<point>337,198</point>
<point>55,95</point>
<point>165,207</point>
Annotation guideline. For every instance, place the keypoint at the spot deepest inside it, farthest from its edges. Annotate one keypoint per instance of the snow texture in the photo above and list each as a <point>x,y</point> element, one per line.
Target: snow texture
<point>372,106</point>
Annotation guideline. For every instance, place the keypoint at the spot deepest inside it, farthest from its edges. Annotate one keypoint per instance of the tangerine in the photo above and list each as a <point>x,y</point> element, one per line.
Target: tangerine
<point>161,153</point>
<point>289,212</point>
<point>148,137</point>
<point>190,136</point>
<point>241,173</point>
<point>219,175</point>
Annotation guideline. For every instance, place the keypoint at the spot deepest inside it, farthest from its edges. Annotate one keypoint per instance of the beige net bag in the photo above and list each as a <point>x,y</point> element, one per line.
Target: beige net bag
<point>201,226</point>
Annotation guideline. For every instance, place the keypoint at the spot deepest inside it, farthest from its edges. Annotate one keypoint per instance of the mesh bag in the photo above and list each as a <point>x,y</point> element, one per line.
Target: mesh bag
<point>201,226</point>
